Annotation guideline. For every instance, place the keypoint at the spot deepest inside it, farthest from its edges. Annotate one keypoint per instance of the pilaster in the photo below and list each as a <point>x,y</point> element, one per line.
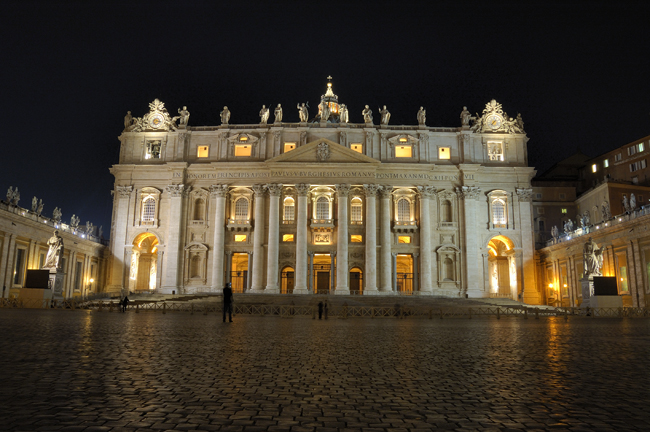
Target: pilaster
<point>342,287</point>
<point>173,267</point>
<point>370,274</point>
<point>301,241</point>
<point>121,201</point>
<point>272,273</point>
<point>219,193</point>
<point>257,284</point>
<point>386,284</point>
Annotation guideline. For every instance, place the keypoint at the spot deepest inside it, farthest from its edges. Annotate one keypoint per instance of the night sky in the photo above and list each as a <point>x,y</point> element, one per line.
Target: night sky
<point>579,74</point>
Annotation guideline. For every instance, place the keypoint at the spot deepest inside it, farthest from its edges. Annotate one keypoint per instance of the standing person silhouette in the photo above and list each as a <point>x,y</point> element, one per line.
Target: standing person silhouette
<point>227,302</point>
<point>125,303</point>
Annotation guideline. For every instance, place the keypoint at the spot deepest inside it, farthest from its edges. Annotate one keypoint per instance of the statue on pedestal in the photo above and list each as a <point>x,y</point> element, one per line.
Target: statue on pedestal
<point>593,259</point>
<point>128,121</point>
<point>55,251</point>
<point>385,115</point>
<point>184,117</point>
<point>16,197</point>
<point>367,114</point>
<point>278,114</point>
<point>225,115</point>
<point>74,221</point>
<point>10,194</point>
<point>39,209</point>
<point>264,115</point>
<point>303,112</point>
<point>555,232</point>
<point>465,117</point>
<point>568,226</point>
<point>324,110</point>
<point>34,204</point>
<point>626,204</point>
<point>56,214</point>
<point>422,116</point>
<point>345,115</point>
<point>632,202</point>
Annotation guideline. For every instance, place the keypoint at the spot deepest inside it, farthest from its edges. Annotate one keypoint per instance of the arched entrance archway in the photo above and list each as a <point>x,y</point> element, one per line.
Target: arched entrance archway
<point>502,267</point>
<point>239,272</point>
<point>143,275</point>
<point>356,281</point>
<point>287,280</point>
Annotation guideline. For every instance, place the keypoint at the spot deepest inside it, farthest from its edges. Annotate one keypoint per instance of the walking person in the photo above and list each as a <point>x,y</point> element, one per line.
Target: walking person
<point>125,303</point>
<point>320,310</point>
<point>227,302</point>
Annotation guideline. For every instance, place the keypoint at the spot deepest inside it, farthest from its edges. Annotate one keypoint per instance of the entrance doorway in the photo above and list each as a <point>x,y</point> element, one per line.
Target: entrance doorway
<point>404,274</point>
<point>144,262</point>
<point>287,280</point>
<point>356,281</point>
<point>322,273</point>
<point>239,272</point>
<point>502,268</point>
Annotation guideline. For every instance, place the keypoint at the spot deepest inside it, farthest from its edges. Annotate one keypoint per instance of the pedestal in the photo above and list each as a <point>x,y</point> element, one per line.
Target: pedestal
<point>587,290</point>
<point>56,283</point>
<point>35,298</point>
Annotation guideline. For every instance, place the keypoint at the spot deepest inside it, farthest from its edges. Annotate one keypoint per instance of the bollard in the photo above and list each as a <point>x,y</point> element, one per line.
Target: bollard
<point>566,315</point>
<point>164,308</point>
<point>498,313</point>
<point>73,304</point>
<point>372,312</point>
<point>525,313</point>
<point>137,308</point>
<point>536,313</point>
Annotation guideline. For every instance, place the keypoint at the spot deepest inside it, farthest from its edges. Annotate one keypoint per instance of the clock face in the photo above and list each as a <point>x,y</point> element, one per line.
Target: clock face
<point>494,121</point>
<point>156,121</point>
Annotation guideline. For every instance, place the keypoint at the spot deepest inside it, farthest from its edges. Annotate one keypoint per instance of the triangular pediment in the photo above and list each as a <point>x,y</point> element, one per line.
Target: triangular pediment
<point>323,151</point>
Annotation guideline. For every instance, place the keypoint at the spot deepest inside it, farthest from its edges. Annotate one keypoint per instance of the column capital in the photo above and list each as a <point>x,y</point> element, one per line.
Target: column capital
<point>385,191</point>
<point>175,190</point>
<point>259,189</point>
<point>124,191</point>
<point>228,252</point>
<point>426,192</point>
<point>371,189</point>
<point>275,189</point>
<point>302,189</point>
<point>219,190</point>
<point>342,189</point>
<point>468,192</point>
<point>524,195</point>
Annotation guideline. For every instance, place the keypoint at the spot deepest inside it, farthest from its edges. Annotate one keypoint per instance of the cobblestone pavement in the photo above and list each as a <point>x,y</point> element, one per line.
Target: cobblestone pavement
<point>100,371</point>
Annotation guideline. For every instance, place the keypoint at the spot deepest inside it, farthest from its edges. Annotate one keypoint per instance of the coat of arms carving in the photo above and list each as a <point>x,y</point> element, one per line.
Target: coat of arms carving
<point>323,152</point>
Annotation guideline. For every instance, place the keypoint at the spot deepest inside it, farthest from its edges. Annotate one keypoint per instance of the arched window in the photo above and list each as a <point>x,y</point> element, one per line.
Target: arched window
<point>498,212</point>
<point>289,209</point>
<point>148,209</point>
<point>241,209</point>
<point>322,208</point>
<point>356,210</point>
<point>403,210</point>
<point>199,209</point>
<point>445,211</point>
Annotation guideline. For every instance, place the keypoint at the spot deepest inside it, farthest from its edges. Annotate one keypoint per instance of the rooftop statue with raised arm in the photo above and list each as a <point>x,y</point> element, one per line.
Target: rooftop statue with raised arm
<point>385,115</point>
<point>264,115</point>
<point>184,117</point>
<point>303,112</point>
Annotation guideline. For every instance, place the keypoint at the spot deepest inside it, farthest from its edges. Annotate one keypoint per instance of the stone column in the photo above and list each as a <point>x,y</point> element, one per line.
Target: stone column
<point>529,289</point>
<point>311,271</point>
<point>393,266</point>
<point>228,266</point>
<point>121,202</point>
<point>425,193</point>
<point>6,262</point>
<point>173,268</point>
<point>219,192</point>
<point>301,241</point>
<point>470,196</point>
<point>258,241</point>
<point>274,239</point>
<point>370,274</point>
<point>386,264</point>
<point>342,286</point>
<point>332,286</point>
<point>249,271</point>
<point>416,273</point>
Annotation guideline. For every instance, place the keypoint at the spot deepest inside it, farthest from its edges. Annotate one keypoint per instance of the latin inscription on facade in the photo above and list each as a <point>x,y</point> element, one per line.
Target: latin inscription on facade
<point>324,174</point>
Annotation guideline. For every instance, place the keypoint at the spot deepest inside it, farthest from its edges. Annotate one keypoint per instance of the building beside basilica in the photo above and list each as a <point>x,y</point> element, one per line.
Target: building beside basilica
<point>324,205</point>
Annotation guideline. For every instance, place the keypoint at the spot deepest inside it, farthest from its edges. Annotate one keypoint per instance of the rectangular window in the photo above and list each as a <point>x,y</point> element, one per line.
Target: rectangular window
<point>152,149</point>
<point>623,279</point>
<point>640,147</point>
<point>444,153</point>
<point>241,237</point>
<point>635,166</point>
<point>538,196</point>
<point>404,239</point>
<point>357,147</point>
<point>631,150</point>
<point>563,211</point>
<point>356,238</point>
<point>242,150</point>
<point>202,151</point>
<point>403,151</point>
<point>606,163</point>
<point>594,168</point>
<point>495,151</point>
<point>541,225</point>
<point>287,237</point>
<point>19,269</point>
<point>540,210</point>
<point>288,146</point>
<point>77,276</point>
<point>41,261</point>
<point>617,157</point>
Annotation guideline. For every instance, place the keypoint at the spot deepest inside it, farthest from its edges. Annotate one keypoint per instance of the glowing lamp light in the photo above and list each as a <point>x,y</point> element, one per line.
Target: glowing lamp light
<point>92,280</point>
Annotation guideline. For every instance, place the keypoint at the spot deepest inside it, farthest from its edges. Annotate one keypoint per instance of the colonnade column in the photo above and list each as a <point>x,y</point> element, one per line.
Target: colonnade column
<point>342,191</point>
<point>257,284</point>
<point>529,292</point>
<point>470,196</point>
<point>121,201</point>
<point>301,241</point>
<point>274,238</point>
<point>219,192</point>
<point>426,284</point>
<point>173,268</point>
<point>370,273</point>
<point>385,259</point>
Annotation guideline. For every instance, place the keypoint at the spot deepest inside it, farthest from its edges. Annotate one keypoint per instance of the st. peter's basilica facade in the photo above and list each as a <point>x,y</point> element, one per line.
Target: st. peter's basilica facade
<point>323,205</point>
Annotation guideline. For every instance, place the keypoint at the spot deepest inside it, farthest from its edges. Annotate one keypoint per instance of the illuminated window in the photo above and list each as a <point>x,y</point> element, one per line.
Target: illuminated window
<point>322,208</point>
<point>403,210</point>
<point>356,210</point>
<point>153,149</point>
<point>241,209</point>
<point>357,147</point>
<point>606,163</point>
<point>289,209</point>
<point>640,147</point>
<point>240,237</point>
<point>444,153</point>
<point>287,237</point>
<point>563,211</point>
<point>243,138</point>
<point>148,209</point>
<point>594,168</point>
<point>498,212</point>
<point>403,151</point>
<point>202,151</point>
<point>404,239</point>
<point>623,279</point>
<point>288,146</point>
<point>356,238</point>
<point>495,150</point>
<point>242,150</point>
